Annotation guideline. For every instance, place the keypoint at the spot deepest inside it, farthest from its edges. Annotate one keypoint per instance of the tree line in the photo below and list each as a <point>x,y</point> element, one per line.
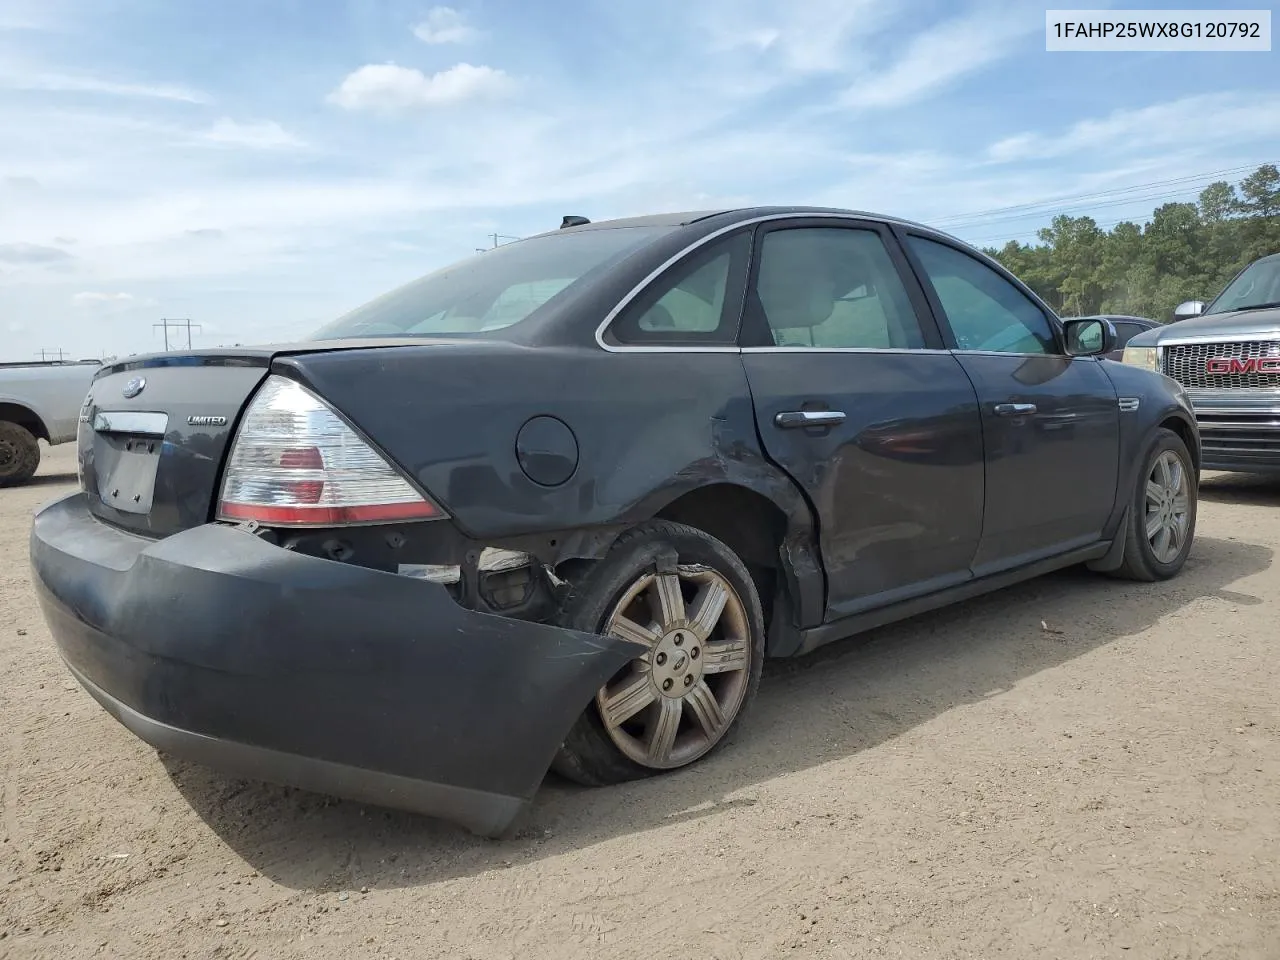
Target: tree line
<point>1188,251</point>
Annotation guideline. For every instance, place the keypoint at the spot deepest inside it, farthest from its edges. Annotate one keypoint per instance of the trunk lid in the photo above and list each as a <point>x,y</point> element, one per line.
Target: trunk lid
<point>154,431</point>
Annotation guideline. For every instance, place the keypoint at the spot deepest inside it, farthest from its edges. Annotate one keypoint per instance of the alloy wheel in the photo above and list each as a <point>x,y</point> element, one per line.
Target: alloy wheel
<point>1168,507</point>
<point>677,701</point>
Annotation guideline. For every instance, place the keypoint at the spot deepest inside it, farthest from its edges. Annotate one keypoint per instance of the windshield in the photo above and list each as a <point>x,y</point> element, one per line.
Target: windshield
<point>492,290</point>
<point>1257,285</point>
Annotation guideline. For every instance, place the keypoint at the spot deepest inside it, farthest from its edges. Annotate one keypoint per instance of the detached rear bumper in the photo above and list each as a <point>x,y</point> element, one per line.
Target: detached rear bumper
<point>217,647</point>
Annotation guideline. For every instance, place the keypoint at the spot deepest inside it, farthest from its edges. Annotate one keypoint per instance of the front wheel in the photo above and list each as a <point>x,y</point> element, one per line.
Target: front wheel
<point>1162,511</point>
<point>691,603</point>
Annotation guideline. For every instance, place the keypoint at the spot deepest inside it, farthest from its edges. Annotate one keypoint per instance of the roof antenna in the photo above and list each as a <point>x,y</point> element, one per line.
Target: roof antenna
<point>573,221</point>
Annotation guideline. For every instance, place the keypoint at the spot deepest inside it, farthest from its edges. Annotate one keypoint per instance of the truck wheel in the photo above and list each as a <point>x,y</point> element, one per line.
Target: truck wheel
<point>19,454</point>
<point>1162,512</point>
<point>689,599</point>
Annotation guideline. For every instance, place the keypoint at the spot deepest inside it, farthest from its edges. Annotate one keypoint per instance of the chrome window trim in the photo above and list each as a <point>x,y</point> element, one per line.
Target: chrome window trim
<point>702,241</point>
<point>800,348</point>
<point>1025,356</point>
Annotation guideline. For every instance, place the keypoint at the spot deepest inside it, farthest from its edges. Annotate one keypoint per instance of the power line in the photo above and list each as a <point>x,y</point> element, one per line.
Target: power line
<point>1085,207</point>
<point>1185,194</point>
<point>177,325</point>
<point>1030,207</point>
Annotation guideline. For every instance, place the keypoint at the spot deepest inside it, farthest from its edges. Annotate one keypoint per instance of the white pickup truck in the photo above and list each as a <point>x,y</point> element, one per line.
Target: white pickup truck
<point>38,401</point>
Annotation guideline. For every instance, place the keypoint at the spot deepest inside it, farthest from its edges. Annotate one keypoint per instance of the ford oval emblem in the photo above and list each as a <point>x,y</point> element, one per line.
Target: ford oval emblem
<point>134,387</point>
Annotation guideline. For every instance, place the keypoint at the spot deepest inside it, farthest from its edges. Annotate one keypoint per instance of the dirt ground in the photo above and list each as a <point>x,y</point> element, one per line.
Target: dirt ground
<point>968,784</point>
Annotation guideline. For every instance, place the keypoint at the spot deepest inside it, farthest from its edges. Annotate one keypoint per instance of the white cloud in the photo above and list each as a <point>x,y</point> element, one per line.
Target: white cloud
<point>805,36</point>
<point>255,135</point>
<point>1252,117</point>
<point>444,25</point>
<point>940,56</point>
<point>386,87</point>
<point>33,254</point>
<point>67,83</point>
<point>90,297</point>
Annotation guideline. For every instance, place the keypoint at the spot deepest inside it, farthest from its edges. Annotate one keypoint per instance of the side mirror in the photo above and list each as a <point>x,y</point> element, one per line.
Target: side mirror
<point>1089,336</point>
<point>1188,309</point>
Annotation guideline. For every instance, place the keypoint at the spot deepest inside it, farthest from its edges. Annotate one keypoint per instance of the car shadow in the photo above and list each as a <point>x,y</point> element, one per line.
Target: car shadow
<point>1242,488</point>
<point>844,698</point>
<point>51,479</point>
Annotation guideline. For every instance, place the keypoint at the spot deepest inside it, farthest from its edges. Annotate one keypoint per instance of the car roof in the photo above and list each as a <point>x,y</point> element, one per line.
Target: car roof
<point>734,214</point>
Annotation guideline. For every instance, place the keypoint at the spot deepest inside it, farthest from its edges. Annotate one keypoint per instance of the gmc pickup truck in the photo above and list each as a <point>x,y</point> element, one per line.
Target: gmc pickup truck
<point>38,401</point>
<point>1227,357</point>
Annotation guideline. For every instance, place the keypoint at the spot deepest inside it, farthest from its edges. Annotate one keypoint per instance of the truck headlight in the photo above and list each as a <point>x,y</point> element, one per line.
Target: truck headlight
<point>1144,357</point>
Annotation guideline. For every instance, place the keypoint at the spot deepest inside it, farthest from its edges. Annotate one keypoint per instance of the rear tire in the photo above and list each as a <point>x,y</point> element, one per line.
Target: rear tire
<point>19,454</point>
<point>1162,512</point>
<point>679,701</point>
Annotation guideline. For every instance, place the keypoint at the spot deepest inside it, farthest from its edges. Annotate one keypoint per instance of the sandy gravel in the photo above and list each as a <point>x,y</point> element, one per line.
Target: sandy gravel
<point>968,784</point>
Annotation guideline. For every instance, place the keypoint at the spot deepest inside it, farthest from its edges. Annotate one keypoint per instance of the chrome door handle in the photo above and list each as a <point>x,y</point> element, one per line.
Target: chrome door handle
<point>791,419</point>
<point>1014,409</point>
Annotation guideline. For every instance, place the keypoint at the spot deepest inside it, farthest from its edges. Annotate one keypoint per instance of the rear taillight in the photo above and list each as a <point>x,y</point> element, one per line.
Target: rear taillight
<point>295,461</point>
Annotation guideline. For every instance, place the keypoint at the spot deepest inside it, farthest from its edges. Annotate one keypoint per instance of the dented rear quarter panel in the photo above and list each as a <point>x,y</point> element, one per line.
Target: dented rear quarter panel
<point>649,427</point>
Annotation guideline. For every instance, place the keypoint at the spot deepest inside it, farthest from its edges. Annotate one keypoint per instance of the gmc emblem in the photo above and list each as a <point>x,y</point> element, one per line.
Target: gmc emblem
<point>1237,365</point>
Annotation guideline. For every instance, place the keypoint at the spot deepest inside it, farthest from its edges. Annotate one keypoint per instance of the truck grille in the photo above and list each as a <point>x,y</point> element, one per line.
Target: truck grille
<point>1186,363</point>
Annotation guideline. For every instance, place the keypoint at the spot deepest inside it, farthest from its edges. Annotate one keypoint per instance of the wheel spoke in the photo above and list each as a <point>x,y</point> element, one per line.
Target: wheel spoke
<point>1154,492</point>
<point>1181,504</point>
<point>666,587</point>
<point>706,709</point>
<point>1162,468</point>
<point>1175,535</point>
<point>724,657</point>
<point>1154,523</point>
<point>1175,477</point>
<point>628,701</point>
<point>624,628</point>
<point>663,729</point>
<point>1161,544</point>
<point>707,607</point>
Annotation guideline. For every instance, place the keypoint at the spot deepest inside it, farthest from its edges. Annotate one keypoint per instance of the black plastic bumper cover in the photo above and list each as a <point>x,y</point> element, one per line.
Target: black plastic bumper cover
<point>215,646</point>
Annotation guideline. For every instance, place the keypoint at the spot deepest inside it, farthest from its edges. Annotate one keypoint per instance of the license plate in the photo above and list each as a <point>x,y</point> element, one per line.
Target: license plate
<point>127,471</point>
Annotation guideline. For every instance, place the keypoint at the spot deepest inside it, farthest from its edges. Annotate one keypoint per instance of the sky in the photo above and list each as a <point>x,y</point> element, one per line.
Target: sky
<point>259,167</point>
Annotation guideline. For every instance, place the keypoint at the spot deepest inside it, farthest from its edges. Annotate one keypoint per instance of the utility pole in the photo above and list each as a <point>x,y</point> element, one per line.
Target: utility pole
<point>496,237</point>
<point>46,355</point>
<point>177,325</point>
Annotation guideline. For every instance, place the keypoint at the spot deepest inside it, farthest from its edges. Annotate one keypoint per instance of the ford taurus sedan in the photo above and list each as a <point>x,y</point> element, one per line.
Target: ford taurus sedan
<point>554,505</point>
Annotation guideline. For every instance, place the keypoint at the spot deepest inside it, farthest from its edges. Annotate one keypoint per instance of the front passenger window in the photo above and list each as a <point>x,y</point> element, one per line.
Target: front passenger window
<point>986,312</point>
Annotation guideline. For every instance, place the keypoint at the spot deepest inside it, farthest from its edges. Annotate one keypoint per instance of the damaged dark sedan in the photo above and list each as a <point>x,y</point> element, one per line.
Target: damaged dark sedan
<point>553,506</point>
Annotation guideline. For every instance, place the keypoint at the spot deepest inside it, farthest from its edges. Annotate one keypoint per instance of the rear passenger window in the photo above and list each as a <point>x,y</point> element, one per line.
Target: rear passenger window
<point>833,288</point>
<point>695,302</point>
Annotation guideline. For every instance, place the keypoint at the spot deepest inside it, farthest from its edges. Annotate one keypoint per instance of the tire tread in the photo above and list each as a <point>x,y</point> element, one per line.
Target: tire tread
<point>28,454</point>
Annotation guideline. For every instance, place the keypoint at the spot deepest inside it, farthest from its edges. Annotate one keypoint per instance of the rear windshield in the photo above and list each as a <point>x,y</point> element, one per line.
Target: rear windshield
<point>492,290</point>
